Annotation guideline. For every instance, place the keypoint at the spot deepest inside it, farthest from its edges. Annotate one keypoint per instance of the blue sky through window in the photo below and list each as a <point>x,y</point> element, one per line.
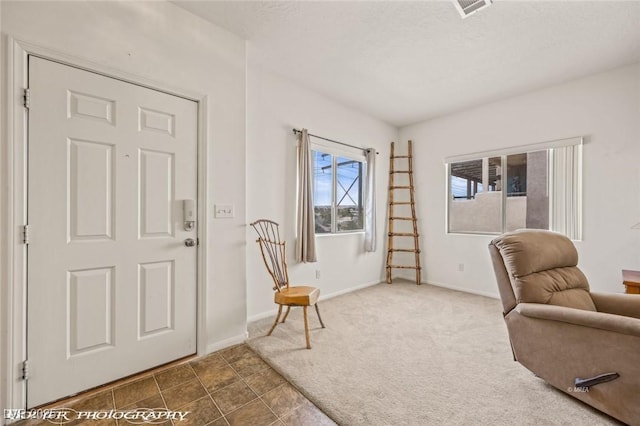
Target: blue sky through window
<point>348,172</point>
<point>322,179</point>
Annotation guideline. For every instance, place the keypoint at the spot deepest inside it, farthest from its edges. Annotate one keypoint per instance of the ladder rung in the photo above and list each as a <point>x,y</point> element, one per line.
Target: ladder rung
<point>401,203</point>
<point>402,218</point>
<point>401,187</point>
<point>406,250</point>
<point>400,156</point>
<point>400,171</point>
<point>403,267</point>
<point>402,234</point>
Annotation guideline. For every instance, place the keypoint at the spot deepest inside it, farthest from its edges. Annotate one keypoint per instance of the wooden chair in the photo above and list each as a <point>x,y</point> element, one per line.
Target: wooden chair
<point>273,253</point>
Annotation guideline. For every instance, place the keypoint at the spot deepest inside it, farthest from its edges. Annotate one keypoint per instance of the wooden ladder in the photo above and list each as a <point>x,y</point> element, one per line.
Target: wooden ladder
<point>402,214</point>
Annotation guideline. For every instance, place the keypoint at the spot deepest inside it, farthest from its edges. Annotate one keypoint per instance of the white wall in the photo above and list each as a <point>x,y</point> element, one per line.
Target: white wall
<point>163,43</point>
<point>274,107</point>
<point>605,109</point>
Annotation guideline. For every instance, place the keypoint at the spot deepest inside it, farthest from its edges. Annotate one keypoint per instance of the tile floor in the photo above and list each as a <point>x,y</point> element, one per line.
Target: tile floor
<point>232,387</point>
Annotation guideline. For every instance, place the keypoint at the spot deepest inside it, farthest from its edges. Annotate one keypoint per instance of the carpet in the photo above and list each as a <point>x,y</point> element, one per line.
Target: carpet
<point>403,354</point>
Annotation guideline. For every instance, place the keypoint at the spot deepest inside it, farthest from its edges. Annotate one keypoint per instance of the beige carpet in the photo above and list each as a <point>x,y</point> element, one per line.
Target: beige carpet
<point>403,354</point>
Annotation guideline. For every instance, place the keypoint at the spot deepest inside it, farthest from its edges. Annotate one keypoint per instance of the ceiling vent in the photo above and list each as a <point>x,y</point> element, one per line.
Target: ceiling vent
<point>469,7</point>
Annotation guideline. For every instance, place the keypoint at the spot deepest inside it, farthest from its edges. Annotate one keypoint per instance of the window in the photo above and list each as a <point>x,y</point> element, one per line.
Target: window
<point>537,186</point>
<point>337,192</point>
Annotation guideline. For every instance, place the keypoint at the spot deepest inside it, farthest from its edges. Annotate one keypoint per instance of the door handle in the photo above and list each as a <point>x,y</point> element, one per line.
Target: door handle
<point>190,242</point>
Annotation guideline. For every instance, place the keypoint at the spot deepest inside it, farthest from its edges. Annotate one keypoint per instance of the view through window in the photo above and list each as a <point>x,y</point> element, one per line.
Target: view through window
<point>537,188</point>
<point>337,193</point>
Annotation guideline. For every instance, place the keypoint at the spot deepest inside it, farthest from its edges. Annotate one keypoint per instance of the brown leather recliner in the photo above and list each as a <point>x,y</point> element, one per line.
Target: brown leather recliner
<point>585,344</point>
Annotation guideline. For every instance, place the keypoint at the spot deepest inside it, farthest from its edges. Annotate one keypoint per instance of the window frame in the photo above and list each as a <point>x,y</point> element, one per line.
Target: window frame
<point>503,154</point>
<point>350,154</point>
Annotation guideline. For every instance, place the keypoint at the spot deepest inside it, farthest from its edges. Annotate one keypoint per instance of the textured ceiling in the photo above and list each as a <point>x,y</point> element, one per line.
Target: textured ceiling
<point>407,61</point>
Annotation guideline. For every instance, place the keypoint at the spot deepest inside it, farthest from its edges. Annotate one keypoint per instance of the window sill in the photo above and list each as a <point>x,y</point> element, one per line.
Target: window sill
<point>475,234</point>
<point>339,234</point>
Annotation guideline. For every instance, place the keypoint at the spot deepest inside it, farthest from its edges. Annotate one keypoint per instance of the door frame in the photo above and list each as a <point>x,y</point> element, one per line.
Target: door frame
<point>13,159</point>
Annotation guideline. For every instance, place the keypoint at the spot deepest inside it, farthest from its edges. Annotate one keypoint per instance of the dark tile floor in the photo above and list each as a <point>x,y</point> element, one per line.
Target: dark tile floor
<point>232,387</point>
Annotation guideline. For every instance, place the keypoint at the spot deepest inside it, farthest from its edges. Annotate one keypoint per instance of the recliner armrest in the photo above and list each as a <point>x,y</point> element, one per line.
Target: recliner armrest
<point>600,320</point>
<point>627,305</point>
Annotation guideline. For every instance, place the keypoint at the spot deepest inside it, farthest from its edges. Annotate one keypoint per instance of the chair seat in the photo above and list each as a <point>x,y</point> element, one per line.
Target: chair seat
<point>297,296</point>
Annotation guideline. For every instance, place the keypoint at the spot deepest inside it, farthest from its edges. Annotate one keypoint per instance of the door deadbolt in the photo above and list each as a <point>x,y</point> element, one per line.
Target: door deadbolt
<point>190,242</point>
<point>189,213</point>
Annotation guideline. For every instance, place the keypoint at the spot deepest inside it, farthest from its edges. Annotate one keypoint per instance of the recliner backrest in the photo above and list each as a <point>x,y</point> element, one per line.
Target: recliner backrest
<point>507,296</point>
<point>542,268</point>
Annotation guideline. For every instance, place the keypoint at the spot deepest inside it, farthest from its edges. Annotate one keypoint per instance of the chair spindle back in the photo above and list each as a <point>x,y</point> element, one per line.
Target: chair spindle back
<point>273,251</point>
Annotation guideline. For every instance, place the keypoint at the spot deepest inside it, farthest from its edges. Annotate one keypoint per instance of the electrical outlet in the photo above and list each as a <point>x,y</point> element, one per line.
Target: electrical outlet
<point>460,267</point>
<point>223,211</point>
<point>317,274</point>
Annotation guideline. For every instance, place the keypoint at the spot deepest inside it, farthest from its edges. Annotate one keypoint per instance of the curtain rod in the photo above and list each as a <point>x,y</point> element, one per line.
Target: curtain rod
<point>296,131</point>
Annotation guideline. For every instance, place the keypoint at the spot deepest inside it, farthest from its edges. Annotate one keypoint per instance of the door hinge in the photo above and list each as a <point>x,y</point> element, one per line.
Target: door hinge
<point>25,369</point>
<point>25,234</point>
<point>27,98</point>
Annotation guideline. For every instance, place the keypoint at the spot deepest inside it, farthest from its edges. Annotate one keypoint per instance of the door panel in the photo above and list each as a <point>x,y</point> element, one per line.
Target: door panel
<point>111,284</point>
<point>91,190</point>
<point>157,289</point>
<point>156,194</point>
<point>91,307</point>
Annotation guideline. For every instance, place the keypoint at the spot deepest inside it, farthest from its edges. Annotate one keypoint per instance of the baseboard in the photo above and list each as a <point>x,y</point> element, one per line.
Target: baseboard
<point>235,340</point>
<point>464,289</point>
<point>274,311</point>
<point>262,315</point>
<point>349,290</point>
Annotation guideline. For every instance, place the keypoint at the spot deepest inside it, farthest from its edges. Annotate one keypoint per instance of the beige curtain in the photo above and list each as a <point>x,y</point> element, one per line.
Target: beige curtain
<point>370,202</point>
<point>306,236</point>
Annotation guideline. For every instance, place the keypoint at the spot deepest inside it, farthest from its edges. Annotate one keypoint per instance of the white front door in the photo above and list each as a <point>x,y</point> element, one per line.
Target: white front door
<point>111,283</point>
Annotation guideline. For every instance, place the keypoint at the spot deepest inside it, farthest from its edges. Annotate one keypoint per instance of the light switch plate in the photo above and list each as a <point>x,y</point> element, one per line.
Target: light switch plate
<point>223,211</point>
